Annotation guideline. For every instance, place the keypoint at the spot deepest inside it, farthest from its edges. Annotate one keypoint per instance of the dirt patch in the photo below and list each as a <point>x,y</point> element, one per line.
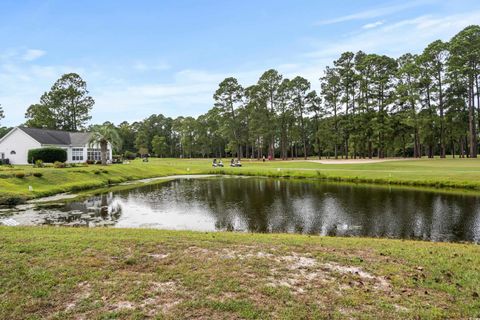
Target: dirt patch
<point>84,290</point>
<point>168,286</point>
<point>379,283</point>
<point>158,256</point>
<point>299,272</point>
<point>122,305</point>
<point>161,298</point>
<point>164,297</point>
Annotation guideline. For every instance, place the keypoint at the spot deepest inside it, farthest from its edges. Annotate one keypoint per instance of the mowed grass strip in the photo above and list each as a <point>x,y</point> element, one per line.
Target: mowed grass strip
<point>70,273</point>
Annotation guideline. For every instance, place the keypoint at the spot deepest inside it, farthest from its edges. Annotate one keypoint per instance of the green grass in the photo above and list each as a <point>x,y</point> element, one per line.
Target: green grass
<point>67,273</point>
<point>70,273</point>
<point>462,174</point>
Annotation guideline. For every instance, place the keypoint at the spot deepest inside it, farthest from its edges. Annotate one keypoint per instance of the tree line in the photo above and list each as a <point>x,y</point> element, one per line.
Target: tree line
<point>366,105</point>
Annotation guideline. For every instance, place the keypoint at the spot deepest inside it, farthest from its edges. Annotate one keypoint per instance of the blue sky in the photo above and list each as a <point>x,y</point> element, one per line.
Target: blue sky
<point>145,57</point>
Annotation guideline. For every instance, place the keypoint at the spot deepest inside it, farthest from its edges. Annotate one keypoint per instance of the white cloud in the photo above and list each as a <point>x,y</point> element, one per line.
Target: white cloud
<point>374,13</point>
<point>33,54</point>
<point>398,37</point>
<point>23,83</point>
<point>373,25</point>
<point>394,39</point>
<point>190,93</point>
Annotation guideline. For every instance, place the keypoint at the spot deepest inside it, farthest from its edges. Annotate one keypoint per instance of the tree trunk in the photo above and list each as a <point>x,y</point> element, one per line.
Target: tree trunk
<point>346,148</point>
<point>453,149</point>
<point>103,152</point>
<point>471,123</point>
<point>442,125</point>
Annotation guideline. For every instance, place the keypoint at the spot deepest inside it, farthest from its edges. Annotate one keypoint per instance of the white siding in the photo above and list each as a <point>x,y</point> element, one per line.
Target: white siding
<point>85,152</point>
<point>70,154</point>
<point>18,142</point>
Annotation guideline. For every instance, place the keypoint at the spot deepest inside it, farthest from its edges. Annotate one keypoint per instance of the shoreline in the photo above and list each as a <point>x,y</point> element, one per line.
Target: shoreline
<point>90,178</point>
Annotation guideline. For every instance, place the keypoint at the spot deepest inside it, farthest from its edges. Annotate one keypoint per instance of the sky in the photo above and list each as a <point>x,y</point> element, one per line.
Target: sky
<point>149,57</point>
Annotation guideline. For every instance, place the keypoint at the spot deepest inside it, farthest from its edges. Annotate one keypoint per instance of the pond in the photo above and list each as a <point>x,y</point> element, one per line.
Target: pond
<point>253,204</point>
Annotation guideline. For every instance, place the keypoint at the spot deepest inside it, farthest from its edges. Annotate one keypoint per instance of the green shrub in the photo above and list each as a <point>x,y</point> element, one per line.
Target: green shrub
<point>38,174</point>
<point>38,164</point>
<point>58,164</point>
<point>49,155</point>
<point>20,175</point>
<point>11,201</point>
<point>130,155</point>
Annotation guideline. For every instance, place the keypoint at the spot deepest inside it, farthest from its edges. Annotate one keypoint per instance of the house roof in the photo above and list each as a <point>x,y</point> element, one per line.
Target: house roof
<point>56,137</point>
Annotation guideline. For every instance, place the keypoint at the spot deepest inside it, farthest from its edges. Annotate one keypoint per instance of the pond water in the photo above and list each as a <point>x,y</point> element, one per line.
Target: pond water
<point>273,205</point>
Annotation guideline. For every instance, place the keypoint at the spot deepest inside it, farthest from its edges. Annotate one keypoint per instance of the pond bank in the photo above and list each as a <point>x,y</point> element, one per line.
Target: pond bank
<point>18,183</point>
<point>60,197</point>
<point>266,205</point>
<point>74,273</point>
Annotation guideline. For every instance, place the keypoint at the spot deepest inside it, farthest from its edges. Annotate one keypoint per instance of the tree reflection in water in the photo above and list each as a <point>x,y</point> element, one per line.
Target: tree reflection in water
<point>282,205</point>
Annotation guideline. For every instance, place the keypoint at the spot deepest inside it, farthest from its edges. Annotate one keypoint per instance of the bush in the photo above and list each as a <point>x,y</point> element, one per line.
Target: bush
<point>58,164</point>
<point>38,174</point>
<point>130,155</point>
<point>49,155</point>
<point>116,159</point>
<point>90,162</point>
<point>11,201</point>
<point>20,175</point>
<point>38,164</point>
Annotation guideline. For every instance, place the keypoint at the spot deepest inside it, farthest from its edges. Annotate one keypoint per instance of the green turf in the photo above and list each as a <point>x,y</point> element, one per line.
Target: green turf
<point>70,273</point>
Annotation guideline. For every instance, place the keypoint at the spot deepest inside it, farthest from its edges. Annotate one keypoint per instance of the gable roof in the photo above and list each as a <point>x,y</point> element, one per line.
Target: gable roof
<point>56,137</point>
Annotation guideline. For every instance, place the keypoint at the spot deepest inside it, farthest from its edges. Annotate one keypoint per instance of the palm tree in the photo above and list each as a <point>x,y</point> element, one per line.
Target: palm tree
<point>102,135</point>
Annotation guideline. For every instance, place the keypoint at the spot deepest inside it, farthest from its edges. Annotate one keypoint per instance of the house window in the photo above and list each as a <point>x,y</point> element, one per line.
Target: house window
<point>96,154</point>
<point>13,152</point>
<point>77,154</point>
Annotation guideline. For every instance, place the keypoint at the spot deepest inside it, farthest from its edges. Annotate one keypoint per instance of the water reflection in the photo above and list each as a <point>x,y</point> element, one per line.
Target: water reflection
<point>275,205</point>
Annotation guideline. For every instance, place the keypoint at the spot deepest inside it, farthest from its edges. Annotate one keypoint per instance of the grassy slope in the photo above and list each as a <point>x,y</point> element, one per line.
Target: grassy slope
<point>458,173</point>
<point>66,273</point>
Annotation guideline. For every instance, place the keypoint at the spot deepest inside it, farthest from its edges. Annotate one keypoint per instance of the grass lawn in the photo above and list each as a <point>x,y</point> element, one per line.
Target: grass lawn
<point>75,273</point>
<point>439,173</point>
<point>70,273</point>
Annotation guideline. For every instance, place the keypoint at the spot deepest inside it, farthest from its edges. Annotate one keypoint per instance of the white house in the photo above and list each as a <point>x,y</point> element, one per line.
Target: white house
<point>15,144</point>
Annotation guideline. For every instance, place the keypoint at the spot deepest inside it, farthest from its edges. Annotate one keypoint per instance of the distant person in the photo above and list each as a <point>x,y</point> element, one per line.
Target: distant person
<point>220,163</point>
<point>214,163</point>
<point>238,164</point>
<point>263,158</point>
<point>232,163</point>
